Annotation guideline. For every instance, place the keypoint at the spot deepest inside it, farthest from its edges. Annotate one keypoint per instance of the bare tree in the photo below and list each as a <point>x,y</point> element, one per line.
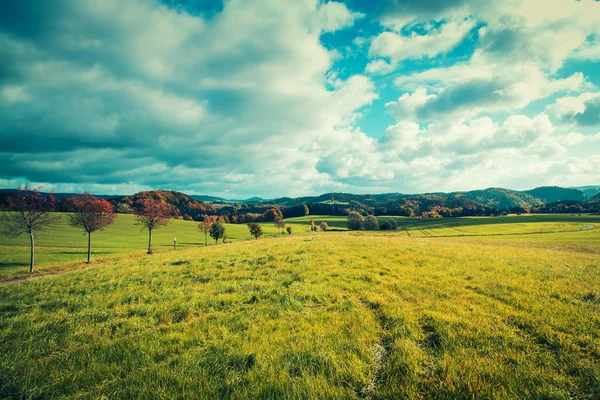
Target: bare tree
<point>31,214</point>
<point>152,214</point>
<point>91,214</point>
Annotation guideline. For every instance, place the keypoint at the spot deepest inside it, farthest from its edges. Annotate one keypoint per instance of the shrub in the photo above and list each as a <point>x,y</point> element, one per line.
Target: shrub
<point>393,225</point>
<point>323,226</point>
<point>355,220</point>
<point>255,230</point>
<point>370,223</point>
<point>289,230</point>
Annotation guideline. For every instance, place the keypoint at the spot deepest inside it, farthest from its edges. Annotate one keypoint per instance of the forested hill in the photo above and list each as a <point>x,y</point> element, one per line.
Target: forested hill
<point>497,198</point>
<point>491,201</point>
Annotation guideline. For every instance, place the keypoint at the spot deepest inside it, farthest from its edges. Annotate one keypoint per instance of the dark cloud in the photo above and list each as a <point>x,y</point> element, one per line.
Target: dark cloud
<point>591,115</point>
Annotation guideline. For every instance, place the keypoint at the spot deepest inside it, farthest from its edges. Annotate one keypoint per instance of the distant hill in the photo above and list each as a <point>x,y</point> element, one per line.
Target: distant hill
<point>500,198</point>
<point>589,191</point>
<point>60,196</point>
<point>427,205</point>
<point>207,199</point>
<point>552,194</point>
<point>214,199</point>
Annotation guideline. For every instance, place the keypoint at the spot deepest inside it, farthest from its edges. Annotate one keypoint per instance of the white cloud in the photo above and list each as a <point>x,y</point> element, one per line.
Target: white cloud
<point>583,109</point>
<point>466,90</point>
<point>378,67</point>
<point>397,47</point>
<point>333,16</point>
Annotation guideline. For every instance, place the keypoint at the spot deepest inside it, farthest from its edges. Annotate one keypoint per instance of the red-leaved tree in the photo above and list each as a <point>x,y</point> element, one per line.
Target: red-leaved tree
<point>152,214</point>
<point>205,226</point>
<point>91,214</point>
<point>31,214</point>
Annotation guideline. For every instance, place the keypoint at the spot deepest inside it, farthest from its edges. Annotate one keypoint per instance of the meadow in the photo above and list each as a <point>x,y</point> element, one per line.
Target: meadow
<point>62,246</point>
<point>477,309</point>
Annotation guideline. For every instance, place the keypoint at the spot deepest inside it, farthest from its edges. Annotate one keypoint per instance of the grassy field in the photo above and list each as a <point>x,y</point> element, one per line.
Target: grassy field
<point>473,226</point>
<point>354,315</point>
<point>61,245</point>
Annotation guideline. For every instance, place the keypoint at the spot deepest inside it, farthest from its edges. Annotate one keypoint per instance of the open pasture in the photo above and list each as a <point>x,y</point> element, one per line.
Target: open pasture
<point>331,315</point>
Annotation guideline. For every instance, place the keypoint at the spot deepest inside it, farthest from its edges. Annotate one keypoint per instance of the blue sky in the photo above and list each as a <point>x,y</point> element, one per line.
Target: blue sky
<point>289,98</point>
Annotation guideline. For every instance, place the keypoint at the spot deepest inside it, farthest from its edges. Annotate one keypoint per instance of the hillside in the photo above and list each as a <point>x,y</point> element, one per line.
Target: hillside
<point>183,205</point>
<point>491,201</point>
<point>499,198</point>
<point>552,194</point>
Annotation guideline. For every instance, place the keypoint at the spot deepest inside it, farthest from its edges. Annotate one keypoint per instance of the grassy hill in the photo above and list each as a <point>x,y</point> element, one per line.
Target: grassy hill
<point>333,315</point>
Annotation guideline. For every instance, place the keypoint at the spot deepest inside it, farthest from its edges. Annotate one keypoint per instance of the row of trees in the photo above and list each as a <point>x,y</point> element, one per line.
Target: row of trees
<point>356,222</point>
<point>32,212</point>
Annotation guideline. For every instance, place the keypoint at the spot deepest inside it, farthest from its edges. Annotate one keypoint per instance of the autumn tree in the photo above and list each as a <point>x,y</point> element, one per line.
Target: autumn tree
<point>273,214</point>
<point>152,214</point>
<point>255,230</point>
<point>217,231</point>
<point>205,226</point>
<point>305,209</point>
<point>355,220</point>
<point>280,224</point>
<point>31,214</point>
<point>91,214</point>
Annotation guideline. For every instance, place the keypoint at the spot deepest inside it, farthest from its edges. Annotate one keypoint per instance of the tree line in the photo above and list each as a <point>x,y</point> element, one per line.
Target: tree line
<point>30,212</point>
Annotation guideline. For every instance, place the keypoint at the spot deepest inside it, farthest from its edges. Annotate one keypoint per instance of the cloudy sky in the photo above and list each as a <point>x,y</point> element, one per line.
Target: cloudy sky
<point>272,97</point>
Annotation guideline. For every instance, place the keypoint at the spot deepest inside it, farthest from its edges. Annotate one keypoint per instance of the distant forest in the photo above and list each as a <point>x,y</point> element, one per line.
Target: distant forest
<point>492,201</point>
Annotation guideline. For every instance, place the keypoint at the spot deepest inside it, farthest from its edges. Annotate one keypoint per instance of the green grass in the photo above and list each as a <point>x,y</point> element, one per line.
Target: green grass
<point>462,226</point>
<point>332,315</point>
<point>60,246</point>
<point>500,310</point>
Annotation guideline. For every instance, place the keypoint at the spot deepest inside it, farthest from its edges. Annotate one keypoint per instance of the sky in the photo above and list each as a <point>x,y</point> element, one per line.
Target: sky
<point>271,98</point>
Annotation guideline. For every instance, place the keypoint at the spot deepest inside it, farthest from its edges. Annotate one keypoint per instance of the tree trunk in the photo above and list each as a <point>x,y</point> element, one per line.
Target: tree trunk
<point>149,241</point>
<point>32,259</point>
<point>89,247</point>
<point>205,239</point>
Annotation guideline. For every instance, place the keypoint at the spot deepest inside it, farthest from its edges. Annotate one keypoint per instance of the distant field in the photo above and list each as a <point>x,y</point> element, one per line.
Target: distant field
<point>477,226</point>
<point>61,246</point>
<point>62,243</point>
<point>328,316</point>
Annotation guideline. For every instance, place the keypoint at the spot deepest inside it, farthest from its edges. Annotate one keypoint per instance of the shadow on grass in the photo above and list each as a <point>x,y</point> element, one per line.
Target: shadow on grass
<point>84,252</point>
<point>13,264</point>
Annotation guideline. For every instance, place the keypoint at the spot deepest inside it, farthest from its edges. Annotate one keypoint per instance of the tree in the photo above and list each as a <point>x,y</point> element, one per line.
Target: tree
<point>31,214</point>
<point>124,208</point>
<point>312,225</point>
<point>91,214</point>
<point>280,224</point>
<point>217,231</point>
<point>205,226</point>
<point>323,226</point>
<point>255,230</point>
<point>273,213</point>
<point>306,210</point>
<point>392,224</point>
<point>370,223</point>
<point>289,230</point>
<point>152,214</point>
<point>355,220</point>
